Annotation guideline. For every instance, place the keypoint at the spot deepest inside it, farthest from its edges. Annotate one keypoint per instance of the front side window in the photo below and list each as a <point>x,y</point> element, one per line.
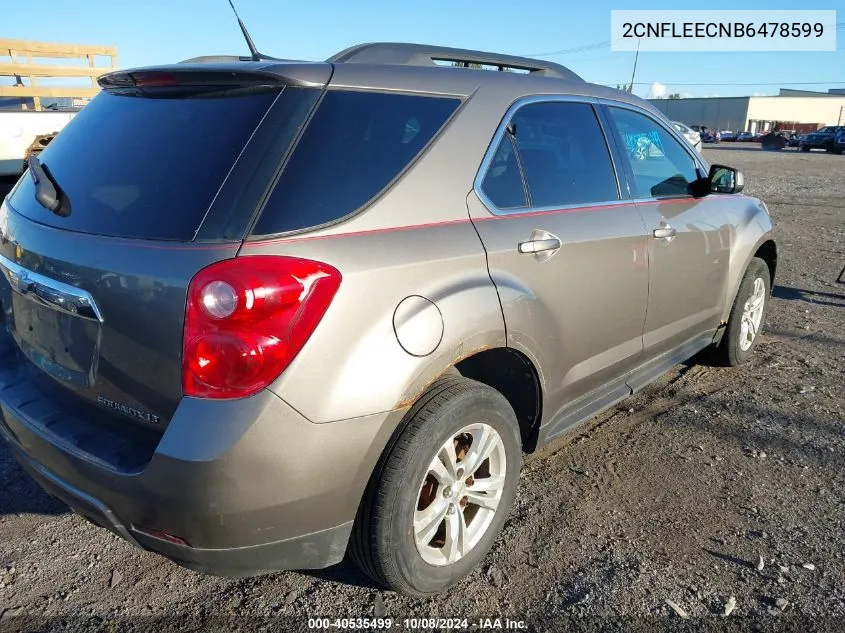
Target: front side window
<point>660,164</point>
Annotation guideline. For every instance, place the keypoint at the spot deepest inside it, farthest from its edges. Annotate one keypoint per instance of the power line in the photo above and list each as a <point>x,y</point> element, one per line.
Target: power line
<point>777,83</point>
<point>577,49</point>
<point>606,44</point>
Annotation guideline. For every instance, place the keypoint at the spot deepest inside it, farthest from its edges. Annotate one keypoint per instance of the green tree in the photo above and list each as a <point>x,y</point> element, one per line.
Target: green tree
<point>625,87</point>
<point>674,95</point>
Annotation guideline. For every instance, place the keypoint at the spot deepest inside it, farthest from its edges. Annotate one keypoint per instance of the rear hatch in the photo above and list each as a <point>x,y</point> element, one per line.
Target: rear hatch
<point>157,178</point>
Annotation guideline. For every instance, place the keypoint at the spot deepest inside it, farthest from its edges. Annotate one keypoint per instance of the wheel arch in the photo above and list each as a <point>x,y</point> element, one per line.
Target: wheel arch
<point>768,252</point>
<point>753,238</point>
<point>511,373</point>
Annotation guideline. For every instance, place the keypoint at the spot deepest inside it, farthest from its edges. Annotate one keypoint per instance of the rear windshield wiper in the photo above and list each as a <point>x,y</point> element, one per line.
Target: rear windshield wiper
<point>47,191</point>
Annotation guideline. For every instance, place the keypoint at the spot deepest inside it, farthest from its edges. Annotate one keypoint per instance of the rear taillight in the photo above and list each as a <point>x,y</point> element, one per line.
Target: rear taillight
<point>246,320</point>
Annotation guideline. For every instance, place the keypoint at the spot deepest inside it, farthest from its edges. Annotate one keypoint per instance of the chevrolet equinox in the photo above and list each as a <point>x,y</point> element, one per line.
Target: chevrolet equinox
<point>259,314</point>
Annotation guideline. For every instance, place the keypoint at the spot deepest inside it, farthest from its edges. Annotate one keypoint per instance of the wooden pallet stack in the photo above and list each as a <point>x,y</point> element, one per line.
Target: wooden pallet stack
<point>31,65</point>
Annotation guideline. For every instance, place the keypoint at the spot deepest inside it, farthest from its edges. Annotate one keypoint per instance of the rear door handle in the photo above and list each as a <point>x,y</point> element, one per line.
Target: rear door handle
<point>538,246</point>
<point>542,245</point>
<point>665,232</point>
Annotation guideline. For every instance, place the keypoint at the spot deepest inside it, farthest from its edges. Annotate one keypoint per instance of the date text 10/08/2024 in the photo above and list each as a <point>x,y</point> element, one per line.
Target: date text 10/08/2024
<point>411,624</point>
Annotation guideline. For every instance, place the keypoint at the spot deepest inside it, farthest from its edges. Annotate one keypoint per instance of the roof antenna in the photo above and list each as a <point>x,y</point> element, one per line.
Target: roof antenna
<point>254,54</point>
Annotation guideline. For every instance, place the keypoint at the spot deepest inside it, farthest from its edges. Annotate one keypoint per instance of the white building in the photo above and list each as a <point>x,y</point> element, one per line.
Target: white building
<point>799,110</point>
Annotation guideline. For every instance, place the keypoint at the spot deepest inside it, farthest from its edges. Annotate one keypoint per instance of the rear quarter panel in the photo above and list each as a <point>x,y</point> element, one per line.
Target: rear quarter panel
<point>353,365</point>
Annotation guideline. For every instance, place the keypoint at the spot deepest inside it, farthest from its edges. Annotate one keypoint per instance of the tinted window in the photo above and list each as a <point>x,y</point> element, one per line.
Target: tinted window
<point>354,146</point>
<point>660,164</point>
<point>564,154</point>
<point>143,167</point>
<point>503,180</point>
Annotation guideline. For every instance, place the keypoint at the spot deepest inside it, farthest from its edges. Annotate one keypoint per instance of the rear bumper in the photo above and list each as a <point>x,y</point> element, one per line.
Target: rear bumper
<point>309,551</point>
<point>250,485</point>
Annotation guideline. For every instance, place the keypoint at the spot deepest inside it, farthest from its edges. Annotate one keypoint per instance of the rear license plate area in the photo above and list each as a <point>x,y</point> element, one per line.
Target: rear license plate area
<point>61,344</point>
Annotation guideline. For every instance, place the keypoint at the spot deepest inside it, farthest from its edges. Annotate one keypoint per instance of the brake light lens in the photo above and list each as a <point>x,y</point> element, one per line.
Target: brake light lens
<point>247,318</point>
<point>154,79</point>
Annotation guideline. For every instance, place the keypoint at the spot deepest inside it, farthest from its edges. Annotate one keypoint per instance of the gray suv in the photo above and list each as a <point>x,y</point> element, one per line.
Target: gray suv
<point>259,314</point>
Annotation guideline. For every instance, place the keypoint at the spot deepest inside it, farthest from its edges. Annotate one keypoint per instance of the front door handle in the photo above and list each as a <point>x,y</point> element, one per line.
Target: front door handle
<point>665,232</point>
<point>538,246</point>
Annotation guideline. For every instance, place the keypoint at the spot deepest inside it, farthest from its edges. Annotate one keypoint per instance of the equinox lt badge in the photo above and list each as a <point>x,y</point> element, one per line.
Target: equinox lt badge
<point>130,411</point>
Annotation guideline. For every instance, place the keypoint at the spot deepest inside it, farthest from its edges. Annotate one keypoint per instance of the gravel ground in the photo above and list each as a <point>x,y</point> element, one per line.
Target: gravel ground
<point>711,487</point>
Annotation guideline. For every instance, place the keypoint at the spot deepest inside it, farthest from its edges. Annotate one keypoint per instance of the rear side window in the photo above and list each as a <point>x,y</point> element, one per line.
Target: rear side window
<point>355,145</point>
<point>503,181</point>
<point>145,167</point>
<point>564,154</point>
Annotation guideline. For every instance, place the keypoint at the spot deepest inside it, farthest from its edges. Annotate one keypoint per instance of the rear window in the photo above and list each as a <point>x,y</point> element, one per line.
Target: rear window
<point>144,167</point>
<point>356,144</point>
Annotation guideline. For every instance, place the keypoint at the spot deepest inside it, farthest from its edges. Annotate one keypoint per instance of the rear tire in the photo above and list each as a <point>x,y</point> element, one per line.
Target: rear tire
<point>805,149</point>
<point>747,316</point>
<point>417,531</point>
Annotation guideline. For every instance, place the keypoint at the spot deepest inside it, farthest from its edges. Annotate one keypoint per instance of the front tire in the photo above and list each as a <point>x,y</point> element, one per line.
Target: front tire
<point>441,492</point>
<point>747,316</point>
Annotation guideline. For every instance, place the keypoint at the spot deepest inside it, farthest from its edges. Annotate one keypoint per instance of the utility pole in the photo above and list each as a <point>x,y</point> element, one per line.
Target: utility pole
<point>636,57</point>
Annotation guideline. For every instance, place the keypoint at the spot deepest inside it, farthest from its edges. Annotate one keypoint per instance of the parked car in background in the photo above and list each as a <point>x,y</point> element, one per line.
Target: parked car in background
<point>692,137</point>
<point>281,373</point>
<point>745,137</point>
<point>774,141</point>
<point>727,135</point>
<point>711,136</point>
<point>822,139</point>
<point>839,143</point>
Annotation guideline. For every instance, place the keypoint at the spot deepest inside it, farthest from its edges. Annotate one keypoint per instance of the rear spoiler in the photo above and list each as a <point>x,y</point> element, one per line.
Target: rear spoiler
<point>222,72</point>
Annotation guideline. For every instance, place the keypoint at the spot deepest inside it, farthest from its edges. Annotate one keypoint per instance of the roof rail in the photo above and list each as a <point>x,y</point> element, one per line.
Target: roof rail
<point>210,59</point>
<point>423,55</point>
<point>214,59</point>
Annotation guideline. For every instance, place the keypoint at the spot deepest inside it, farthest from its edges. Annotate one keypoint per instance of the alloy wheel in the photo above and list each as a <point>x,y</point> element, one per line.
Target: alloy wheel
<point>752,315</point>
<point>460,494</point>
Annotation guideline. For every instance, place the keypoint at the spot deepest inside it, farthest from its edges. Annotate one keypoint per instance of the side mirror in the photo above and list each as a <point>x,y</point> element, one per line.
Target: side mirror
<point>726,179</point>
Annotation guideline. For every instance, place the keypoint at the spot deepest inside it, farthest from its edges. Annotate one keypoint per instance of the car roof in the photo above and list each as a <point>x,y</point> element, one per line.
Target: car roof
<point>419,68</point>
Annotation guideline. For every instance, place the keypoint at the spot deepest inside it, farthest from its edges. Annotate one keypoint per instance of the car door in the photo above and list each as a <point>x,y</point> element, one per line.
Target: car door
<point>566,252</point>
<point>689,242</point>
